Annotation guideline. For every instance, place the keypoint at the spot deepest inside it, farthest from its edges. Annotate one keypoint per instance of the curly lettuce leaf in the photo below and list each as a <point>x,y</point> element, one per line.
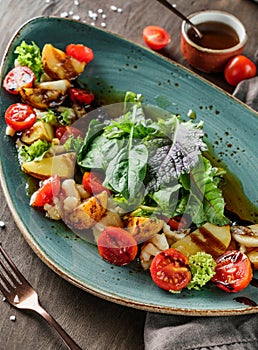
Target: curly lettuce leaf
<point>34,152</point>
<point>202,266</point>
<point>29,55</point>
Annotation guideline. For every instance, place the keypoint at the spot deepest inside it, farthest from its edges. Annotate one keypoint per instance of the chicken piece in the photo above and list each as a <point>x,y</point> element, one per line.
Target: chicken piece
<point>58,65</point>
<point>143,228</point>
<point>108,219</point>
<point>246,236</point>
<point>87,213</point>
<point>151,248</point>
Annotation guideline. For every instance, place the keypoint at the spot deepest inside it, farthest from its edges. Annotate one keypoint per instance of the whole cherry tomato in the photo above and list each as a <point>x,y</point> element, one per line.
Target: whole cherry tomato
<point>20,116</point>
<point>170,270</point>
<point>156,37</point>
<point>80,96</point>
<point>19,77</point>
<point>239,68</point>
<point>117,246</point>
<point>48,189</point>
<point>92,183</point>
<point>80,52</point>
<point>233,271</point>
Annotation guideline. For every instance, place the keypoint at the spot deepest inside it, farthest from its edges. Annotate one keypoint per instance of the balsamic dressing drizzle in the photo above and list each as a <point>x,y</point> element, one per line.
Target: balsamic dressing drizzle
<point>245,300</point>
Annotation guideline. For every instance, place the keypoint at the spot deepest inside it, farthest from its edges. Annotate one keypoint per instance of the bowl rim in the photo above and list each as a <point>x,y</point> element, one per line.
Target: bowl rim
<point>240,45</point>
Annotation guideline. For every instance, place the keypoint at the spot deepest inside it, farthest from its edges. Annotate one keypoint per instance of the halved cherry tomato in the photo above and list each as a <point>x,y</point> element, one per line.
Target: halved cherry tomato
<point>80,96</point>
<point>233,271</point>
<point>80,52</point>
<point>48,189</point>
<point>92,183</point>
<point>239,68</point>
<point>117,246</point>
<point>170,270</point>
<point>156,37</point>
<point>20,116</point>
<point>63,133</point>
<point>19,77</point>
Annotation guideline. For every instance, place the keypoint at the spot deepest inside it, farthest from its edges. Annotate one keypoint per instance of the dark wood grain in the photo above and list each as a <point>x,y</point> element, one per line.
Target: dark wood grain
<point>94,323</point>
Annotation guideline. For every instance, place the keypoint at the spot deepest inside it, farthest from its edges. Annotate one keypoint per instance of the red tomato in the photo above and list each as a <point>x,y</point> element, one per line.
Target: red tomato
<point>49,189</point>
<point>19,77</point>
<point>92,183</point>
<point>156,37</point>
<point>233,271</point>
<point>170,270</point>
<point>80,52</point>
<point>63,133</point>
<point>239,68</point>
<point>20,116</point>
<point>177,223</point>
<point>117,246</point>
<point>80,96</point>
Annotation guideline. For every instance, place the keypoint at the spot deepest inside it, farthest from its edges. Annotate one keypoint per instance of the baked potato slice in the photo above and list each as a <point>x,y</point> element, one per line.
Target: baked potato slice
<point>58,65</point>
<point>208,238</point>
<point>46,95</point>
<point>38,131</point>
<point>88,213</point>
<point>143,228</point>
<point>61,165</point>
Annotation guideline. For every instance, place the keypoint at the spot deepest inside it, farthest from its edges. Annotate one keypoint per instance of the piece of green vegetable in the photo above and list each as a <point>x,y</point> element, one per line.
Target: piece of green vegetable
<point>202,266</point>
<point>35,151</point>
<point>29,55</point>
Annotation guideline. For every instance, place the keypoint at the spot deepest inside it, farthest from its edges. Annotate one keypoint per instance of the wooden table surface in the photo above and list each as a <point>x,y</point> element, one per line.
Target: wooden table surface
<point>94,323</point>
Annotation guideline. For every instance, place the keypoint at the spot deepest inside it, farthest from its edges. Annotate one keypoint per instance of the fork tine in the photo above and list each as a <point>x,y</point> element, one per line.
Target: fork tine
<point>4,288</point>
<point>14,268</point>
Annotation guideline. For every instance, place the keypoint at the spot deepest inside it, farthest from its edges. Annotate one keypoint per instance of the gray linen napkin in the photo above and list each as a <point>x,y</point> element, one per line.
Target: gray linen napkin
<point>175,332</point>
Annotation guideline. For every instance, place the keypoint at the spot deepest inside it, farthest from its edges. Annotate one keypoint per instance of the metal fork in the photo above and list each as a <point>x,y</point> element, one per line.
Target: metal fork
<point>19,293</point>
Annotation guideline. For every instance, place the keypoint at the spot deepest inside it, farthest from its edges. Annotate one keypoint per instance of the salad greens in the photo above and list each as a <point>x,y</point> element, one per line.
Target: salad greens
<point>35,151</point>
<point>156,161</point>
<point>29,55</point>
<point>202,266</point>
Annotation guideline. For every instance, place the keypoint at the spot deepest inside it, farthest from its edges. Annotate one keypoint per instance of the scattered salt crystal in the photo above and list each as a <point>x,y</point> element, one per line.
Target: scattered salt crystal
<point>103,24</point>
<point>174,5</point>
<point>64,14</point>
<point>16,299</point>
<point>4,299</point>
<point>12,318</point>
<point>70,13</point>
<point>100,10</point>
<point>92,23</point>
<point>2,224</point>
<point>76,17</point>
<point>104,16</point>
<point>119,10</point>
<point>113,8</point>
<point>47,1</point>
<point>76,3</point>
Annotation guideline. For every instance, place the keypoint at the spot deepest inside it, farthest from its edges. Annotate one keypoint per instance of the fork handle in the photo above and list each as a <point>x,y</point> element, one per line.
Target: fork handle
<point>70,343</point>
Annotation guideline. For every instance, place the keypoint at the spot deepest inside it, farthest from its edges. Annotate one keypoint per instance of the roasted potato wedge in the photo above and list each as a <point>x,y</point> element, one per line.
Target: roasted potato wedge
<point>58,65</point>
<point>45,95</point>
<point>88,213</point>
<point>61,165</point>
<point>209,238</point>
<point>143,228</point>
<point>39,131</point>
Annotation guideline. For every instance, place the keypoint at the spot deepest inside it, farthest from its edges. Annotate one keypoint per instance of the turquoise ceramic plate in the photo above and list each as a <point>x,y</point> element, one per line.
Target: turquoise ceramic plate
<point>119,66</point>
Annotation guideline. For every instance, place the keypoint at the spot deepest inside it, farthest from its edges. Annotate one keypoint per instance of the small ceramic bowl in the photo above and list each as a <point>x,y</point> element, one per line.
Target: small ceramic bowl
<point>206,59</point>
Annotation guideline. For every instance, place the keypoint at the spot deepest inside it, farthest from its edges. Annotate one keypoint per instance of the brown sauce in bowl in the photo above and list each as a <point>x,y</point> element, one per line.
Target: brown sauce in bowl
<point>216,35</point>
